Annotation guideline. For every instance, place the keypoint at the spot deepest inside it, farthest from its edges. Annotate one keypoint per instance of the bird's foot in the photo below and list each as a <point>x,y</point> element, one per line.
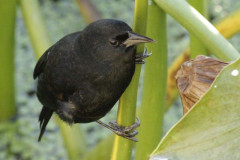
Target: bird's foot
<point>139,58</point>
<point>127,132</point>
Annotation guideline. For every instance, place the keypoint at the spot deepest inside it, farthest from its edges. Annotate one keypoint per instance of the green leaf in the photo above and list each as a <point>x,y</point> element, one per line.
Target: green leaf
<point>211,129</point>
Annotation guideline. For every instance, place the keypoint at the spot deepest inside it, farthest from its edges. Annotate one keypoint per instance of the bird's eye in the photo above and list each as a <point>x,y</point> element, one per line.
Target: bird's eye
<point>114,42</point>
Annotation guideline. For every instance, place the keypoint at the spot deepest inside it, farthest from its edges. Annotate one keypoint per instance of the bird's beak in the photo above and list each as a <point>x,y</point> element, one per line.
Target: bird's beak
<point>134,38</point>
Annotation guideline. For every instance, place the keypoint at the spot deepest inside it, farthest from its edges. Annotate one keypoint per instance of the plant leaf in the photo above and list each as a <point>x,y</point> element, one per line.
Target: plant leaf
<point>211,129</point>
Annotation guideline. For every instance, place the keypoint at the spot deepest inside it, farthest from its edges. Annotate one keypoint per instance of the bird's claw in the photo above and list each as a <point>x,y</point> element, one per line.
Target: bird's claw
<point>127,132</point>
<point>139,58</point>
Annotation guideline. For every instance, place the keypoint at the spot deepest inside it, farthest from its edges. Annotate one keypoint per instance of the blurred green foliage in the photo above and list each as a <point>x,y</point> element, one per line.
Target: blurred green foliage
<point>19,141</point>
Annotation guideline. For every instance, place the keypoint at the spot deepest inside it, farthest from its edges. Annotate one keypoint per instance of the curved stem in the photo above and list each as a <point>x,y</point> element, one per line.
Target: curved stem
<point>228,26</point>
<point>200,27</point>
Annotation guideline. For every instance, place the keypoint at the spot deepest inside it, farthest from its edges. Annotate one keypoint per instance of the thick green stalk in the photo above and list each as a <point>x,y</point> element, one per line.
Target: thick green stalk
<point>154,86</point>
<point>200,27</point>
<point>196,46</point>
<point>73,140</point>
<point>7,28</point>
<point>122,148</point>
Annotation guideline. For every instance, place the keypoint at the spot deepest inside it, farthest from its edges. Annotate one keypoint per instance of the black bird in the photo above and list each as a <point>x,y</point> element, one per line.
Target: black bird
<point>84,74</point>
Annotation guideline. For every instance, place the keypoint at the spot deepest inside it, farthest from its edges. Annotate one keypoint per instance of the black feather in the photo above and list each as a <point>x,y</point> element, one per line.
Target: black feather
<point>44,117</point>
<point>41,64</point>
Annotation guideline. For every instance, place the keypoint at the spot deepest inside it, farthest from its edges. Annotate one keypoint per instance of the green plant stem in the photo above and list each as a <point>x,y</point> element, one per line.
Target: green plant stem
<point>122,148</point>
<point>7,28</point>
<point>76,145</point>
<point>200,27</point>
<point>102,150</point>
<point>196,46</point>
<point>154,85</point>
<point>88,10</point>
<point>35,26</point>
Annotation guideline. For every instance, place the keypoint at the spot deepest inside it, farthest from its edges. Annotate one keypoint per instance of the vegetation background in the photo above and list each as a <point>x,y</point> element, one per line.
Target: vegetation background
<point>19,141</point>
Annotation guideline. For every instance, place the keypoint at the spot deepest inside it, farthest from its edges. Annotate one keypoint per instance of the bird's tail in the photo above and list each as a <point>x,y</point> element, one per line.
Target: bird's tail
<point>44,117</point>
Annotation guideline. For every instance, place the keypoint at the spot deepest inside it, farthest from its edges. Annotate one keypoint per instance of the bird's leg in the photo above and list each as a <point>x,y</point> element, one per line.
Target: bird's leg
<point>127,132</point>
<point>139,58</point>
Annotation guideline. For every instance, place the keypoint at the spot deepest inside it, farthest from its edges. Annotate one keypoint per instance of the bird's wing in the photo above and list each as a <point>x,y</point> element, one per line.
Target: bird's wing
<point>41,64</point>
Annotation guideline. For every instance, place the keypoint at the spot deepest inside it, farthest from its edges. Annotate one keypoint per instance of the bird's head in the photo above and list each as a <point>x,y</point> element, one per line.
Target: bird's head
<point>113,38</point>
